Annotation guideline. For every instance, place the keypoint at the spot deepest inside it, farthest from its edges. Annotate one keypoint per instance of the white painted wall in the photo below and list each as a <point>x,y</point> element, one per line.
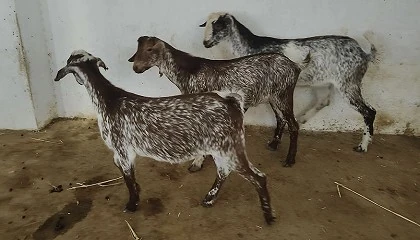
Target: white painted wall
<point>33,35</point>
<point>109,29</point>
<point>16,109</point>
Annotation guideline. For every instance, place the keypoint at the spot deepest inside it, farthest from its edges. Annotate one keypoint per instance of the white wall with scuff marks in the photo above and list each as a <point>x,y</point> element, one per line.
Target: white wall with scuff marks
<point>33,35</point>
<point>16,109</point>
<point>109,29</point>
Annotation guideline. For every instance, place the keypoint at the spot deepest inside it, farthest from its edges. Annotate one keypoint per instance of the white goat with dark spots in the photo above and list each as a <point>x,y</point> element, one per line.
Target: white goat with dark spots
<point>264,78</point>
<point>337,61</point>
<point>169,129</point>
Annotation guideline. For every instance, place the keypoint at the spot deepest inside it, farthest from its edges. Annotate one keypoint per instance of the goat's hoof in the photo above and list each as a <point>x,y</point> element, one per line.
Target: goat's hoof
<point>272,146</point>
<point>194,168</point>
<point>288,164</point>
<point>359,149</point>
<point>130,208</point>
<point>269,218</point>
<point>207,203</point>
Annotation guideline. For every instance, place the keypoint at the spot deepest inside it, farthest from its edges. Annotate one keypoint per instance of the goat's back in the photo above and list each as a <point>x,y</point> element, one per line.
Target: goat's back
<point>257,76</point>
<point>178,128</point>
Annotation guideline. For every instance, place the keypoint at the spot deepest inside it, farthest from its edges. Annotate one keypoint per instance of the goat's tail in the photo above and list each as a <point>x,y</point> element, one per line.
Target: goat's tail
<point>374,55</point>
<point>236,97</point>
<point>304,63</point>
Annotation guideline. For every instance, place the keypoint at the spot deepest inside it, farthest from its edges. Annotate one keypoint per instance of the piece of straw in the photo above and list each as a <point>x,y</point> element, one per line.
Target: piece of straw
<point>133,234</point>
<point>371,201</point>
<point>43,140</point>
<point>101,184</point>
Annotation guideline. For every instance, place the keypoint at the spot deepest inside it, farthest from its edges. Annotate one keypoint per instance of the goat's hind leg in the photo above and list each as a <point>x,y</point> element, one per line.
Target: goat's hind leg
<point>322,99</point>
<point>259,180</point>
<point>278,133</point>
<point>125,163</point>
<point>354,96</point>
<point>223,171</point>
<point>197,163</point>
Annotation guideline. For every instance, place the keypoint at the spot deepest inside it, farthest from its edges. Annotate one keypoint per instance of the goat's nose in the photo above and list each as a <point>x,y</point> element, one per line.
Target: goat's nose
<point>135,68</point>
<point>138,69</point>
<point>206,43</point>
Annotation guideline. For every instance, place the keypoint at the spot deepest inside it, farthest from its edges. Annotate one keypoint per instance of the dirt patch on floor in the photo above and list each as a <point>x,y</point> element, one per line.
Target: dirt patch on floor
<point>304,197</point>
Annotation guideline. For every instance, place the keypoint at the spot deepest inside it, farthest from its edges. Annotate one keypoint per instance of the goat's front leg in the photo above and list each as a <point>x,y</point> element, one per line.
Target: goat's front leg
<point>126,166</point>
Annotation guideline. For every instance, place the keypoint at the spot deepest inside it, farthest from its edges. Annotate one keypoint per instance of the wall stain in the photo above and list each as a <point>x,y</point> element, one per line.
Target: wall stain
<point>23,64</point>
<point>383,120</point>
<point>409,131</point>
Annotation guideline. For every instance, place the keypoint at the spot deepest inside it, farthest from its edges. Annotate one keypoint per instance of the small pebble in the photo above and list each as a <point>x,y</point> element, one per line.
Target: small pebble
<point>23,217</point>
<point>10,189</point>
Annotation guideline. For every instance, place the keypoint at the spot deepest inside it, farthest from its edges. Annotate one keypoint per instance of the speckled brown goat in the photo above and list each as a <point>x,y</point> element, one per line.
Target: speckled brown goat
<point>263,78</point>
<point>169,129</point>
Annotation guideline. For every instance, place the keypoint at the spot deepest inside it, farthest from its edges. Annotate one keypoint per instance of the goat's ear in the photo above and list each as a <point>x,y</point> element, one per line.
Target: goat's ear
<point>132,58</point>
<point>228,18</point>
<point>62,73</point>
<point>203,25</point>
<point>101,64</point>
<point>158,46</point>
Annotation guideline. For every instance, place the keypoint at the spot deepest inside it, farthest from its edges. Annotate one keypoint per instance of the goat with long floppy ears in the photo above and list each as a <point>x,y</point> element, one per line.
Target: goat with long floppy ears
<point>169,129</point>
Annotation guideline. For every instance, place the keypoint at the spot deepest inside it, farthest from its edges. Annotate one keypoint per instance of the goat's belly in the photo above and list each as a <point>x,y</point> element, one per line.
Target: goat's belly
<point>169,158</point>
<point>317,76</point>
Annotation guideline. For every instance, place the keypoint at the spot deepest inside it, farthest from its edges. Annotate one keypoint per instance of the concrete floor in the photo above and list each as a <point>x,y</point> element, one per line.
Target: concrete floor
<point>304,197</point>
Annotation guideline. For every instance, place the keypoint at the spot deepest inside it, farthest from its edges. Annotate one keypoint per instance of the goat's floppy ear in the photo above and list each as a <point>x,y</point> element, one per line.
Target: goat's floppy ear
<point>203,25</point>
<point>101,64</point>
<point>158,46</point>
<point>62,73</point>
<point>132,58</point>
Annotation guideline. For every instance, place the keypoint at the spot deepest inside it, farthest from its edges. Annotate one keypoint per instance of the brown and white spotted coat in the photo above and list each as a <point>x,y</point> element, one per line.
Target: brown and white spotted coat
<point>263,78</point>
<point>169,129</point>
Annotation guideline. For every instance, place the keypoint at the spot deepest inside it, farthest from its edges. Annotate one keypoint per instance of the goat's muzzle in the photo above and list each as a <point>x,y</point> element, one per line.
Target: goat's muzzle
<point>208,43</point>
<point>138,69</point>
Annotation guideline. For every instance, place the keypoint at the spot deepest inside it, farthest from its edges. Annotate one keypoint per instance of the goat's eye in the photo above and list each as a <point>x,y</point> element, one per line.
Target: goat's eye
<point>149,50</point>
<point>218,26</point>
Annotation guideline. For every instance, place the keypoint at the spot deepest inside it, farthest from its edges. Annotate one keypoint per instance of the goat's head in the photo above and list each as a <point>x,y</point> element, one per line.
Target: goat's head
<point>217,28</point>
<point>78,60</point>
<point>149,53</point>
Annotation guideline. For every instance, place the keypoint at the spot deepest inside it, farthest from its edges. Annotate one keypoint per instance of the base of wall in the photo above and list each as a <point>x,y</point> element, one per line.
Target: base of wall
<point>406,132</point>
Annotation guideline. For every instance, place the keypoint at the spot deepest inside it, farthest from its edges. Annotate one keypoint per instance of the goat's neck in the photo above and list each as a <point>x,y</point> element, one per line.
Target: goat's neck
<point>243,42</point>
<point>96,87</point>
<point>174,72</point>
<point>239,44</point>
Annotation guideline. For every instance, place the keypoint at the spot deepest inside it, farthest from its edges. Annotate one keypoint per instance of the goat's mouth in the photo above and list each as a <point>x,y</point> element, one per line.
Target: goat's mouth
<point>209,43</point>
<point>138,69</point>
